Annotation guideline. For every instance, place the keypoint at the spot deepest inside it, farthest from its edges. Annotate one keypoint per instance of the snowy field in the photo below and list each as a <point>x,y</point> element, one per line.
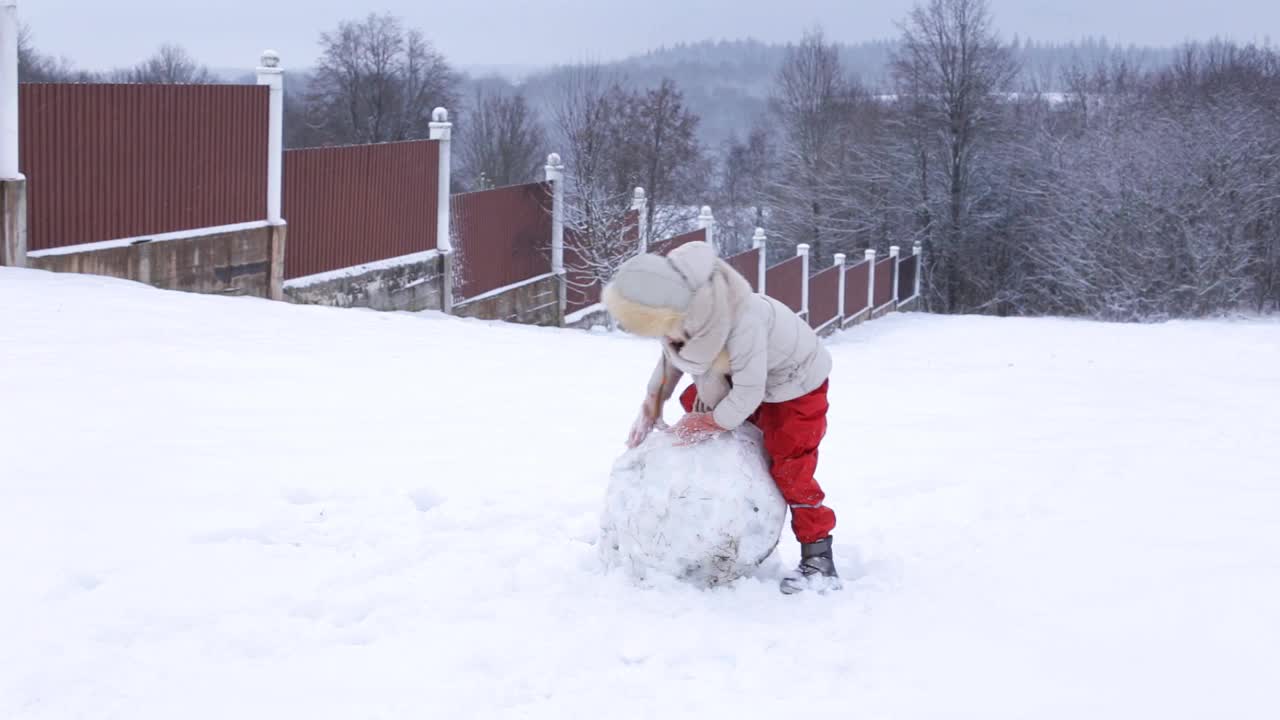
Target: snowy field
<point>230,508</point>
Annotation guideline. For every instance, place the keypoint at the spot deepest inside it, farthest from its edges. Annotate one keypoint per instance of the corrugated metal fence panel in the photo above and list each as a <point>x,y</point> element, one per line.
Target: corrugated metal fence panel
<point>105,162</point>
<point>631,228</point>
<point>748,263</point>
<point>582,288</point>
<point>884,281</point>
<point>784,282</point>
<point>856,279</point>
<point>824,297</point>
<point>351,205</point>
<point>662,247</point>
<point>907,269</point>
<point>503,236</point>
<point>582,292</point>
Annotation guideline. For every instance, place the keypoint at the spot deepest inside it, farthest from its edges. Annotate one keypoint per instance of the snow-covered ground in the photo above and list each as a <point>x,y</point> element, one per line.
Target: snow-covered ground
<point>230,508</point>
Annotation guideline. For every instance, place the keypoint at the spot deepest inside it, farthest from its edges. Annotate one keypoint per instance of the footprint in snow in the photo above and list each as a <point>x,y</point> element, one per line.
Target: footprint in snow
<point>425,499</point>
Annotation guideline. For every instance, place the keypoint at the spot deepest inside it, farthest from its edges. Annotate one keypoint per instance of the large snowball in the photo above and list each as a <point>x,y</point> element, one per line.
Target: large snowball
<point>706,513</point>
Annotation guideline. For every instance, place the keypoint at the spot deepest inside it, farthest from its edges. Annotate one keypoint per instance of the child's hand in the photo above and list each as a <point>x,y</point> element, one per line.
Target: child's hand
<point>695,428</point>
<point>644,422</point>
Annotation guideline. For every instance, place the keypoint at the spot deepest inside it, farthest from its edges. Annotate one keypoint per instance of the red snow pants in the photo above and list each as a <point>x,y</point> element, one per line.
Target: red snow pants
<point>792,431</point>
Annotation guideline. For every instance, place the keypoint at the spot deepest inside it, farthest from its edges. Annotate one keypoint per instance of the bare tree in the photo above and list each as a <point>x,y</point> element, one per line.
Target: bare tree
<point>658,150</point>
<point>741,193</point>
<point>500,141</point>
<point>377,82</point>
<point>950,70</point>
<point>34,66</point>
<point>171,64</point>
<point>809,103</point>
<point>585,112</point>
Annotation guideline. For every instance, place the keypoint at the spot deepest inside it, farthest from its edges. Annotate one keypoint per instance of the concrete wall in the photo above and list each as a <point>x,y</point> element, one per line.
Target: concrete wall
<point>588,320</point>
<point>13,223</point>
<point>883,310</point>
<point>233,263</point>
<point>830,328</point>
<point>411,285</point>
<point>533,303</point>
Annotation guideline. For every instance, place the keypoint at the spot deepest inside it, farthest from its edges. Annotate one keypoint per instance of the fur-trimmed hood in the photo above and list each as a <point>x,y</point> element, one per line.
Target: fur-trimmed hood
<point>741,348</point>
<point>690,296</point>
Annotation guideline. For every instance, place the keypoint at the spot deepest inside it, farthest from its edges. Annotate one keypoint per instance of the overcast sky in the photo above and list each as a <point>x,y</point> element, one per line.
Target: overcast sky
<point>230,33</point>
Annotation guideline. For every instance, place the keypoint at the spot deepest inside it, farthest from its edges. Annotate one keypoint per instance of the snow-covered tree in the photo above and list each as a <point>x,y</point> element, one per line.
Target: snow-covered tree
<point>950,72</point>
<point>377,81</point>
<point>500,140</point>
<point>585,117</point>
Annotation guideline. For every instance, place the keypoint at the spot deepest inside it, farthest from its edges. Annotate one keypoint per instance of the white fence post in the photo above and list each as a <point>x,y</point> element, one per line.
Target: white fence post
<point>803,251</point>
<point>871,281</point>
<point>894,252</point>
<point>13,186</point>
<point>640,204</point>
<point>918,251</point>
<point>555,175</point>
<point>840,293</point>
<point>760,242</point>
<point>9,90</point>
<point>272,75</point>
<point>707,221</point>
<point>442,130</point>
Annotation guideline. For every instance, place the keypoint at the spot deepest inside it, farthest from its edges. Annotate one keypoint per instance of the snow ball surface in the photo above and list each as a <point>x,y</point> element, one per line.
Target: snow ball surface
<point>707,513</point>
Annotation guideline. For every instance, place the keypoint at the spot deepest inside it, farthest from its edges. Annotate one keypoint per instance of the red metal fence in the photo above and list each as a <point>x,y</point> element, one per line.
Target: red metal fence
<point>785,283</point>
<point>503,236</point>
<point>348,206</point>
<point>884,282</point>
<point>907,269</point>
<point>662,247</point>
<point>582,285</point>
<point>106,162</point>
<point>748,263</point>
<point>856,279</point>
<point>582,288</point>
<point>824,297</point>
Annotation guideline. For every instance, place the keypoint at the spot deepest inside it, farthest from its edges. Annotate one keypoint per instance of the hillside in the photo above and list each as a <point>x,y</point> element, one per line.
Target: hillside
<point>223,507</point>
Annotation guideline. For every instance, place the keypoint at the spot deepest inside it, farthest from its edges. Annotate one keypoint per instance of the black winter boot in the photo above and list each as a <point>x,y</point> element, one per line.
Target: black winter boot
<point>817,570</point>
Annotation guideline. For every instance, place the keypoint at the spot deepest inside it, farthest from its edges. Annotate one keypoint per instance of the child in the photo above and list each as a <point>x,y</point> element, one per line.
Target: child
<point>752,360</point>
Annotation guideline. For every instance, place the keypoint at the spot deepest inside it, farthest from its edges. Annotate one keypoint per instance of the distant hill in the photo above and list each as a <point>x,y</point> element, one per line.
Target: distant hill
<point>728,82</point>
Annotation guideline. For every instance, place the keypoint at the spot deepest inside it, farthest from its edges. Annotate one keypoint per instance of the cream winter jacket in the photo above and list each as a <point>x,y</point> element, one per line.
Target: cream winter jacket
<point>741,348</point>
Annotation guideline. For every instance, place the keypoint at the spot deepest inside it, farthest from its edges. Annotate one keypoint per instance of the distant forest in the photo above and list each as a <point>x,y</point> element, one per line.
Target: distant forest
<point>727,83</point>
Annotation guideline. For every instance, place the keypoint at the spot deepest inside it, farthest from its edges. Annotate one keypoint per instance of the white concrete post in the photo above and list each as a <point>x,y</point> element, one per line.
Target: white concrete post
<point>640,205</point>
<point>272,75</point>
<point>840,293</point>
<point>871,280</point>
<point>442,130</point>
<point>803,251</point>
<point>13,187</point>
<point>760,242</point>
<point>894,252</point>
<point>707,221</point>
<point>9,90</point>
<point>555,175</point>
<point>918,251</point>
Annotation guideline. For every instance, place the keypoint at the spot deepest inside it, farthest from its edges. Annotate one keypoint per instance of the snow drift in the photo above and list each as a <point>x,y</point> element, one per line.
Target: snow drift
<point>708,513</point>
